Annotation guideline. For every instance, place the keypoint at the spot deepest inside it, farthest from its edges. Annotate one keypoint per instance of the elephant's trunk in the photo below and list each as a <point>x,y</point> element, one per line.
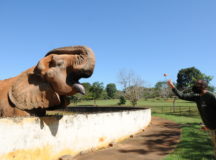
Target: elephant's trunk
<point>84,59</point>
<point>85,64</point>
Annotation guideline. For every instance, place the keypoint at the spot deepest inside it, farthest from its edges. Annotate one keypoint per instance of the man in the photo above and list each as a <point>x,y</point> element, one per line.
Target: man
<point>206,104</point>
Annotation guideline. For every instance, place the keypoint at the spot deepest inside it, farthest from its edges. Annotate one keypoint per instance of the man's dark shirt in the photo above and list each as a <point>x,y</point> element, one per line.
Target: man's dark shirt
<point>206,105</point>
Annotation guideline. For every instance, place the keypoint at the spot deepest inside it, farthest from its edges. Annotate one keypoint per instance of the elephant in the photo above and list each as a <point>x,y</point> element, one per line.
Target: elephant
<point>48,84</point>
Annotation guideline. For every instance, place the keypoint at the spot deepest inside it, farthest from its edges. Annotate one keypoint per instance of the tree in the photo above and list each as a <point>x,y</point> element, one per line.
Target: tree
<point>132,86</point>
<point>111,90</point>
<point>134,93</point>
<point>187,76</point>
<point>162,89</point>
<point>104,95</point>
<point>74,99</point>
<point>96,90</point>
<point>149,93</point>
<point>87,86</point>
<point>122,100</point>
<point>88,94</point>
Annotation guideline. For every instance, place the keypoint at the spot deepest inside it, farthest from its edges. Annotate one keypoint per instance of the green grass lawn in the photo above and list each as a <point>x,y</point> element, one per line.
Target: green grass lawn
<point>156,105</point>
<point>195,144</point>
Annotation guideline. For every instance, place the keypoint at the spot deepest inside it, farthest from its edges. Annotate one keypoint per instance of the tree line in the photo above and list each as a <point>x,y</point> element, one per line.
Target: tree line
<point>133,88</point>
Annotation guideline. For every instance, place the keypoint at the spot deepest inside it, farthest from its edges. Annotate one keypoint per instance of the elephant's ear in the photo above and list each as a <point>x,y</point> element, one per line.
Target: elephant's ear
<point>30,91</point>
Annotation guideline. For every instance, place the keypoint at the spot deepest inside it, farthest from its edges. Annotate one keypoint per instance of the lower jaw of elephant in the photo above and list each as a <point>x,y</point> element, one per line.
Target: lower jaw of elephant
<point>39,112</point>
<point>64,102</point>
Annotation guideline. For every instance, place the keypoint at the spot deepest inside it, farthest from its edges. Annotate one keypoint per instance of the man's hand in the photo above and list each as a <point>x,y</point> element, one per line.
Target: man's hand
<point>170,83</point>
<point>203,127</point>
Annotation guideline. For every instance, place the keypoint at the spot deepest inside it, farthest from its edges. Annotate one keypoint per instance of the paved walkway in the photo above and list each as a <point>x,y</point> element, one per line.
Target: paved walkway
<point>159,139</point>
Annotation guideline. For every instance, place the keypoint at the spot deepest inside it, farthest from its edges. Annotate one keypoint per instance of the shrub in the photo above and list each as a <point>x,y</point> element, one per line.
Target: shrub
<point>122,100</point>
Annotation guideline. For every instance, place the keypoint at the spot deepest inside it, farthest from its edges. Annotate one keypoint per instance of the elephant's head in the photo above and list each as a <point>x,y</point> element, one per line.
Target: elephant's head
<point>63,67</point>
<point>53,78</point>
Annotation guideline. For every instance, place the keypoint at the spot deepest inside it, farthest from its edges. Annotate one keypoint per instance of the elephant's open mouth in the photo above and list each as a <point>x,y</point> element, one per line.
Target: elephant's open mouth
<point>73,81</point>
<point>64,99</point>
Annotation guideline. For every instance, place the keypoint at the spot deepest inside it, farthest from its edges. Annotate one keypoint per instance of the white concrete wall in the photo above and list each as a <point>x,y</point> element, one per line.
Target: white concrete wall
<point>48,138</point>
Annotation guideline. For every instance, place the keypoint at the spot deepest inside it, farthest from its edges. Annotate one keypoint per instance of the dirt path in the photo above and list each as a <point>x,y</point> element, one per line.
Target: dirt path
<point>159,139</point>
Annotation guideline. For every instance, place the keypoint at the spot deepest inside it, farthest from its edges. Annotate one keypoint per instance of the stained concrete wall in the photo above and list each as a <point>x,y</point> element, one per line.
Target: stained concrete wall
<point>47,138</point>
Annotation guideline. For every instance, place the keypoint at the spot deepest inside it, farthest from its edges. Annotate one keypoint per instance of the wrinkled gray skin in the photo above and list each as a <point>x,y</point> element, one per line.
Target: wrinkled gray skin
<point>47,85</point>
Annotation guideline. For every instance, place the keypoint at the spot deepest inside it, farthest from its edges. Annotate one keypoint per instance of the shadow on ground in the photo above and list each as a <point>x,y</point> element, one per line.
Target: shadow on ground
<point>162,142</point>
<point>160,139</point>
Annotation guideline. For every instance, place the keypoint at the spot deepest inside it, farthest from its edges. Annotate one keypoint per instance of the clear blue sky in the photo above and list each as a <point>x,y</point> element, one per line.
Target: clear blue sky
<point>149,37</point>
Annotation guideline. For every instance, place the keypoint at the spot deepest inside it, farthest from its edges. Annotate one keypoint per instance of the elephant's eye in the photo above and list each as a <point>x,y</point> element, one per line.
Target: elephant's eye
<point>59,63</point>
